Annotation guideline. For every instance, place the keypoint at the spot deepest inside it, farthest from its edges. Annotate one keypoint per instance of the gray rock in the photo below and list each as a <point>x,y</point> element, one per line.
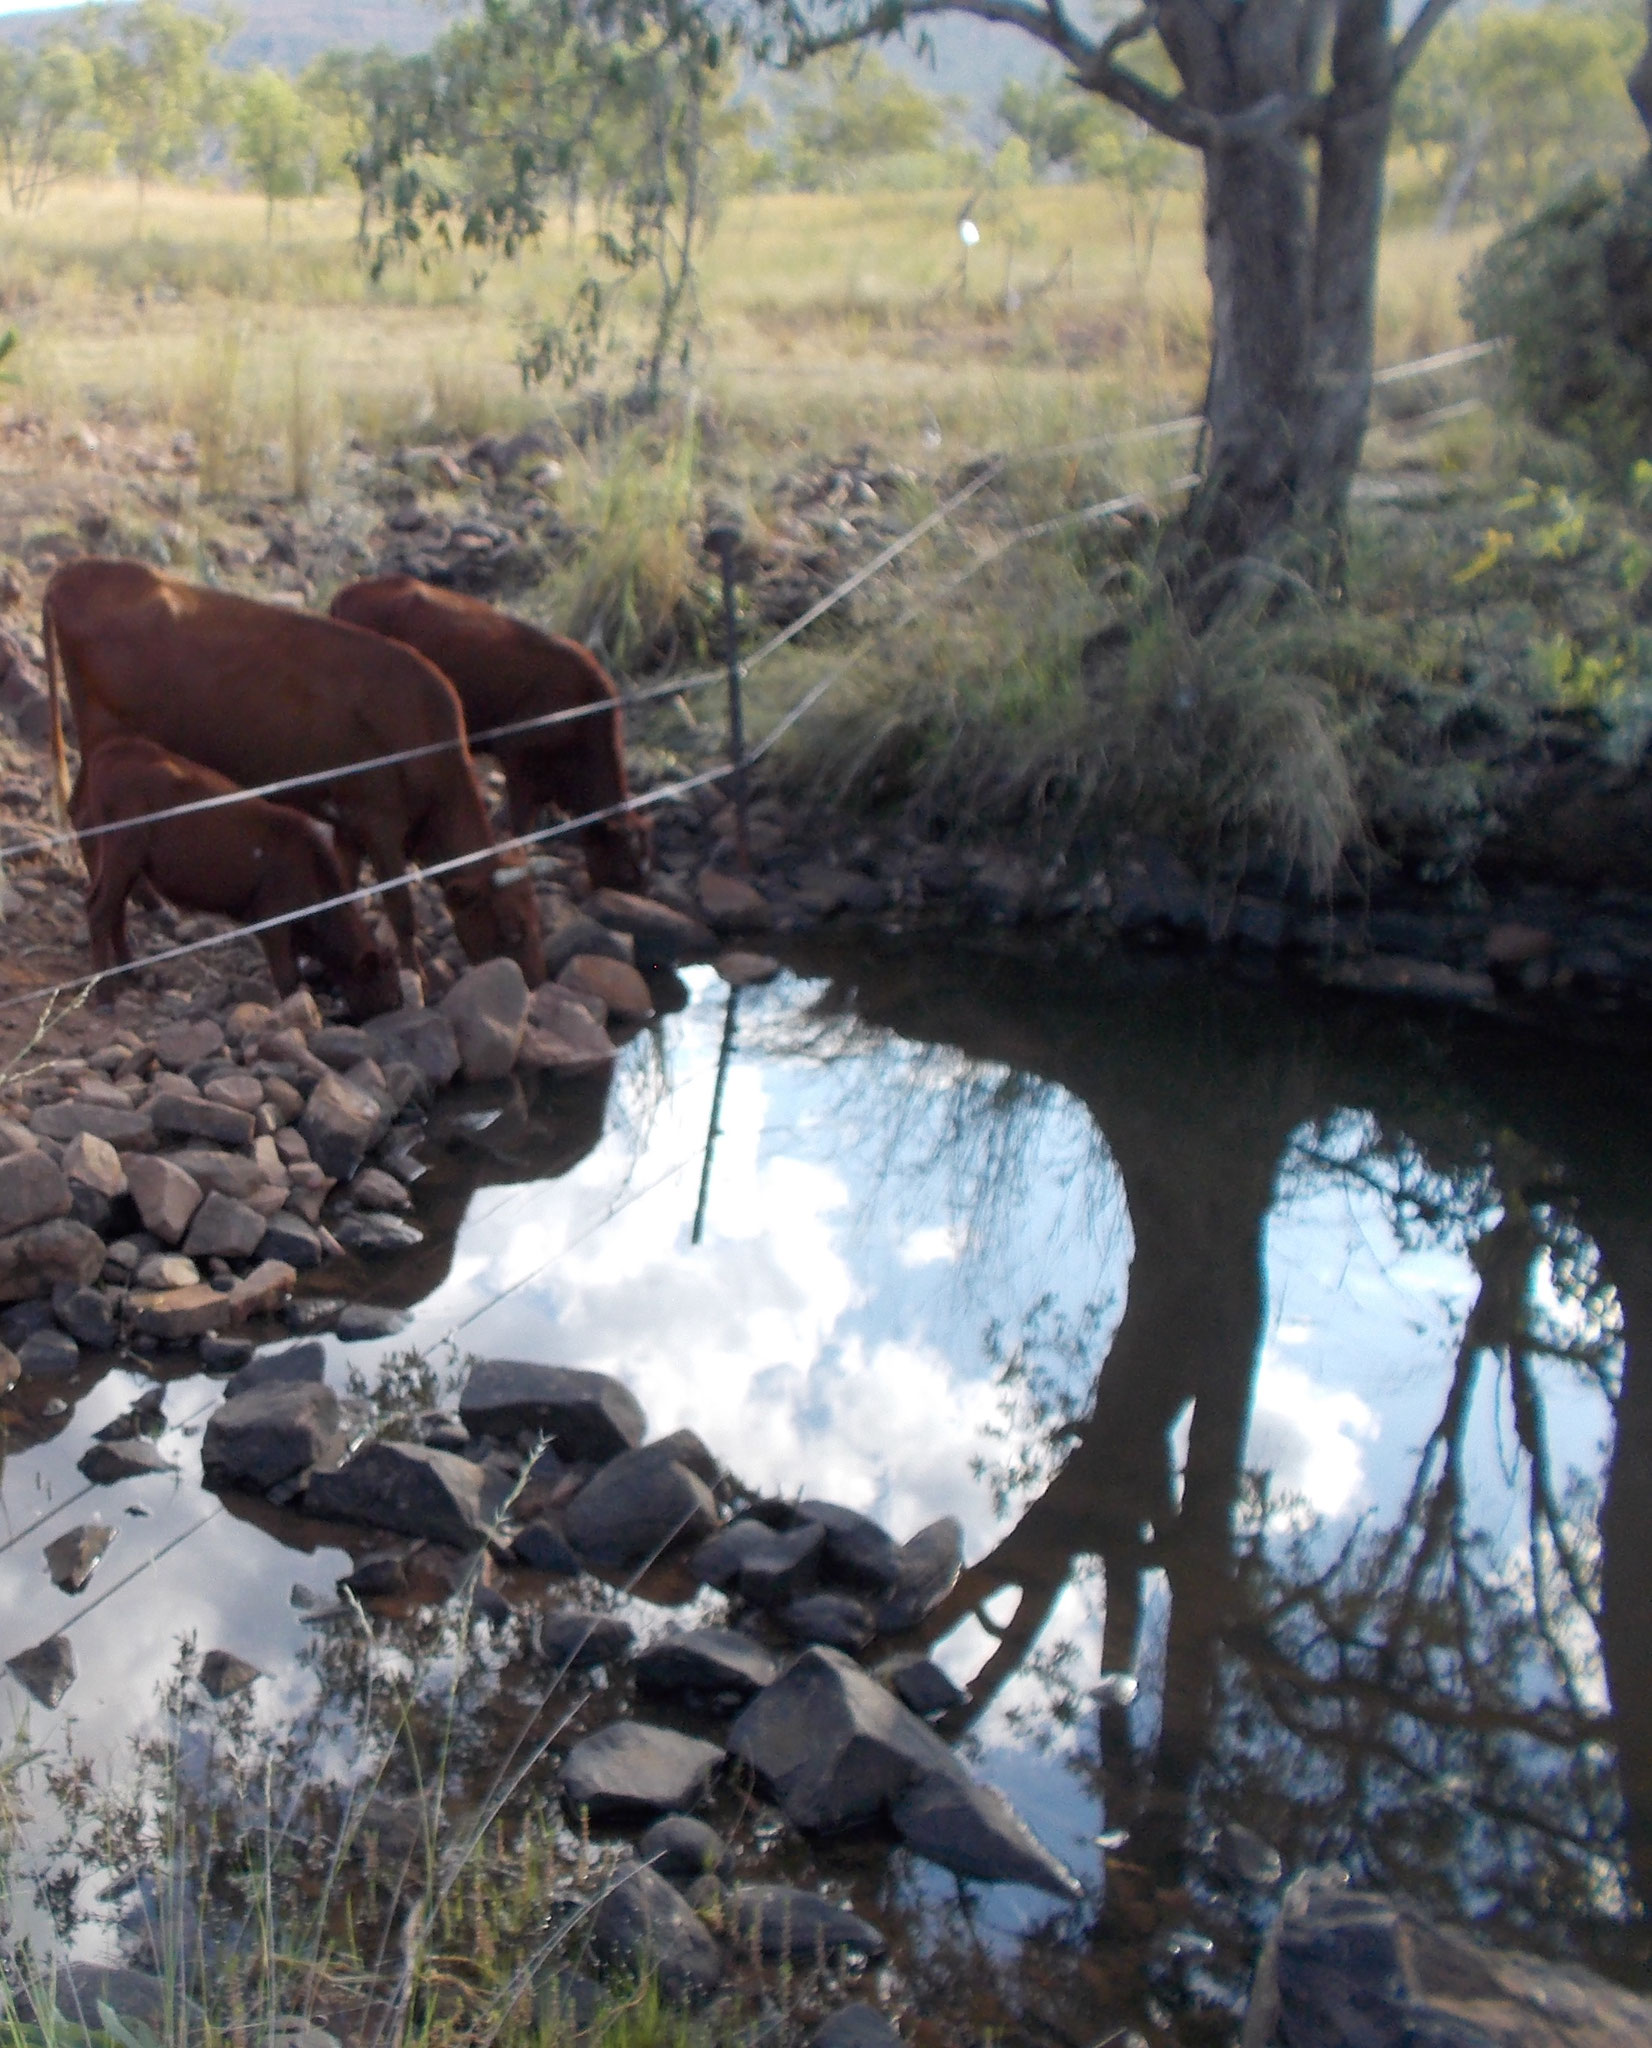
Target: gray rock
<point>858,1553</point>
<point>836,1749</point>
<point>224,1229</point>
<point>310,1313</point>
<point>630,1771</point>
<point>129,1994</point>
<point>562,1036</point>
<point>343,1046</point>
<point>661,935</point>
<point>361,1320</point>
<point>584,1415</point>
<point>220,1173</point>
<point>1360,1968</point>
<point>288,1237</point>
<point>542,1547</point>
<point>166,1196</point>
<point>292,1365</point>
<point>145,1417</point>
<point>33,1189</point>
<point>712,1662</point>
<point>571,933</point>
<point>181,1046</point>
<point>488,1010</point>
<point>21,1321</point>
<point>923,1686</point>
<point>49,1354</point>
<point>341,1124</point>
<point>89,1318</point>
<point>192,1116</point>
<point>47,1671</point>
<point>638,1507</point>
<point>137,1458</point>
<point>787,1924</point>
<point>422,1038</point>
<point>34,1261</point>
<point>779,1566</point>
<point>72,1558</point>
<point>643,1928</point>
<point>223,1673</point>
<point>158,1271</point>
<point>576,1641</point>
<point>855,2026</point>
<point>128,1130</point>
<point>682,1849</point>
<point>833,1618</point>
<point>375,1234</point>
<point>927,1570</point>
<point>973,1830</point>
<point>407,1488</point>
<point>259,1439</point>
<point>1244,1858</point>
<point>373,1188</point>
<point>224,1354</point>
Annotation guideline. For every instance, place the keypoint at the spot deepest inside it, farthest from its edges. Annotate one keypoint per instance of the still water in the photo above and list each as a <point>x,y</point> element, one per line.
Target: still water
<point>1278,1357</point>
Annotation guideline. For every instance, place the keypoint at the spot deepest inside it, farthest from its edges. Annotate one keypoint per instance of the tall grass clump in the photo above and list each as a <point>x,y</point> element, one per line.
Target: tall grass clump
<point>208,401</point>
<point>310,423</point>
<point>631,596</point>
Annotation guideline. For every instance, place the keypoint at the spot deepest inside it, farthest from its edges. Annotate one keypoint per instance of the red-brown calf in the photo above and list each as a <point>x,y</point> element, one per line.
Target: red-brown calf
<point>247,861</point>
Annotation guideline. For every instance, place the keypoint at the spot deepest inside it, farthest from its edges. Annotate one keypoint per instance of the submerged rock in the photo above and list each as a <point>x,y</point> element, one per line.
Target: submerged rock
<point>795,1925</point>
<point>375,1232</point>
<point>361,1321</point>
<point>48,1354</point>
<point>585,1415</point>
<point>104,1464</point>
<point>407,1488</point>
<point>224,1674</point>
<point>47,1671</point>
<point>72,1558</point>
<point>973,1830</point>
<point>630,1771</point>
<point>643,1927</point>
<point>683,1849</point>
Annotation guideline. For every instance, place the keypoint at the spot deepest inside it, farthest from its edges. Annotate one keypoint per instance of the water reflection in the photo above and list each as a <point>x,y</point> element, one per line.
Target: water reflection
<point>1280,1359</point>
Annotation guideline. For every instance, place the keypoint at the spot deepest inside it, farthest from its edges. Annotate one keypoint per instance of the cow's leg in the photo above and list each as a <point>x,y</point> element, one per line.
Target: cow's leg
<point>390,865</point>
<point>106,918</point>
<point>523,795</point>
<point>282,958</point>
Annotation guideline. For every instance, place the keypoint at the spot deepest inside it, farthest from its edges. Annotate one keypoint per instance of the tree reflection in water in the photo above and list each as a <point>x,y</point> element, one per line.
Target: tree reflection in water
<point>1428,1703</point>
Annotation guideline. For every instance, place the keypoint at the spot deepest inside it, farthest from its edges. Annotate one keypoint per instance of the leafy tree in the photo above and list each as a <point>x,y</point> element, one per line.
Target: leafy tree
<point>158,89</point>
<point>852,111</point>
<point>275,140</point>
<point>1053,118</point>
<point>537,102</point>
<point>47,125</point>
<point>1141,168</point>
<point>1515,103</point>
<point>1289,104</point>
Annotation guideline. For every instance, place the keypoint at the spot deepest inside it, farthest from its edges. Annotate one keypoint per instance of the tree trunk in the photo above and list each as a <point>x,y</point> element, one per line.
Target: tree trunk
<point>1293,263</point>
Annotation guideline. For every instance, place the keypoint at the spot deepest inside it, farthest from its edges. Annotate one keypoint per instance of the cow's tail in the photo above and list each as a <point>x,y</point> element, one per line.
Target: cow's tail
<point>54,694</point>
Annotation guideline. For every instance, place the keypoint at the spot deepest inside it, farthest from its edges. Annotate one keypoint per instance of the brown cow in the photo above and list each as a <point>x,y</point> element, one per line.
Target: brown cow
<point>248,861</point>
<point>505,670</point>
<point>259,693</point>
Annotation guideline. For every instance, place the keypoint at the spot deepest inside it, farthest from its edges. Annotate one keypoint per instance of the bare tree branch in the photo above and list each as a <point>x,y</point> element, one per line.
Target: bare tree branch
<point>1410,46</point>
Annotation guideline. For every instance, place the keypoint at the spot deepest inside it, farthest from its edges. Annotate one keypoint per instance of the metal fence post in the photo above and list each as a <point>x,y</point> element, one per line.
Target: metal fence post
<point>723,539</point>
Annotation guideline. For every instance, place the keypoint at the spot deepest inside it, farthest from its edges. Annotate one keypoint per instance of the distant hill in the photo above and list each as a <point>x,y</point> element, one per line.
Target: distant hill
<point>971,58</point>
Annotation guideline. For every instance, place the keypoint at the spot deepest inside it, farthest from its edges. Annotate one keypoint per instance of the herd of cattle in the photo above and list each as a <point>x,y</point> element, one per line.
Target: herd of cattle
<point>183,695</point>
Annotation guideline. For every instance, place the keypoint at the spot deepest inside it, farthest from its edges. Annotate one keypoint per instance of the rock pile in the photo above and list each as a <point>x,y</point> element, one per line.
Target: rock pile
<point>546,1468</point>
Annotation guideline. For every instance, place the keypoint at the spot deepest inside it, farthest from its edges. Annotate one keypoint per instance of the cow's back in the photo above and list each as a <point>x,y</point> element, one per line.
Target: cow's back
<point>252,690</point>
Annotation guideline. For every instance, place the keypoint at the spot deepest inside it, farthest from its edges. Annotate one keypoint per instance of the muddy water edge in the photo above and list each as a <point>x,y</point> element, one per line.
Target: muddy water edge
<point>1278,1354</point>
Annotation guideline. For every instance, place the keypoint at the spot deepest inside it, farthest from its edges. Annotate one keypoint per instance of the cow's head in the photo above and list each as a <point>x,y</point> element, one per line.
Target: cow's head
<point>619,852</point>
<point>495,912</point>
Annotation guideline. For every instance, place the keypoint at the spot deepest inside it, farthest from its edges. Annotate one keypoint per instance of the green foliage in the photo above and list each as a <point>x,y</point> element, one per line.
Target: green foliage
<point>275,138</point>
<point>615,102</point>
<point>850,120</point>
<point>1510,104</point>
<point>48,128</point>
<point>631,595</point>
<point>1055,119</point>
<point>1548,286</point>
<point>158,89</point>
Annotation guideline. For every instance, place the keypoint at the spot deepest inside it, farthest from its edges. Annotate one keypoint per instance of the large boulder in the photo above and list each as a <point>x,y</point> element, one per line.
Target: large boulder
<point>639,1506</point>
<point>630,1771</point>
<point>272,1434</point>
<point>838,1751</point>
<point>224,1228</point>
<point>643,1928</point>
<point>292,1365</point>
<point>662,936</point>
<point>583,1414</point>
<point>406,1488</point>
<point>1343,1967</point>
<point>488,1010</point>
<point>167,1196</point>
<point>33,1189</point>
<point>562,1036</point>
<point>765,1566</point>
<point>34,1261</point>
<point>857,1552</point>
